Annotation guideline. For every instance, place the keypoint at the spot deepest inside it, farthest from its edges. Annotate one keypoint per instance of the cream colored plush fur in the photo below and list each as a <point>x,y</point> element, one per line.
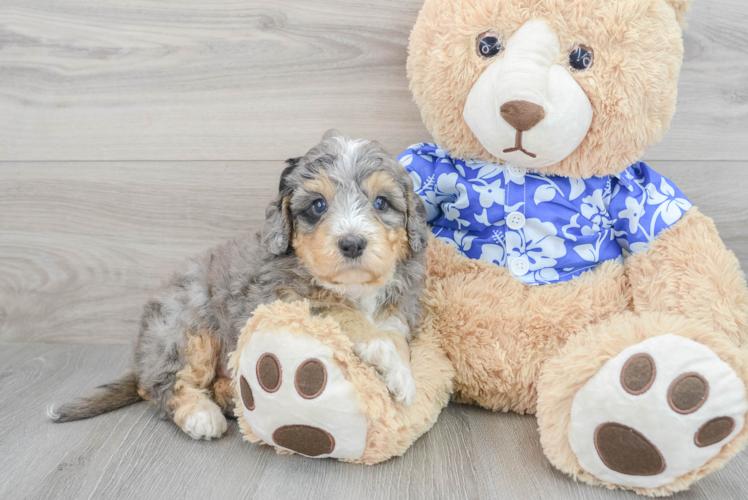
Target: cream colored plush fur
<point>632,88</point>
<point>530,349</point>
<point>487,338</point>
<point>392,428</point>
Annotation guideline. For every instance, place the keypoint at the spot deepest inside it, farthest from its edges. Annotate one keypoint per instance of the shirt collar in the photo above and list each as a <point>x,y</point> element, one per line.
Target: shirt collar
<point>626,178</point>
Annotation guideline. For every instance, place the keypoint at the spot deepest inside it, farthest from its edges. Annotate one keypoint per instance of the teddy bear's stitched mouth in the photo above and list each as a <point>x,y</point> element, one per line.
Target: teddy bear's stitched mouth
<point>518,146</point>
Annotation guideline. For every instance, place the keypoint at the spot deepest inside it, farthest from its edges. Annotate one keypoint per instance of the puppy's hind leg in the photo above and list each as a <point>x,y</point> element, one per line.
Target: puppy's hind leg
<point>223,394</point>
<point>191,405</point>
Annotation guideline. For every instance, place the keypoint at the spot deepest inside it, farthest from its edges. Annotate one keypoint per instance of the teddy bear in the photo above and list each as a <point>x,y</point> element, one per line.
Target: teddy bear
<point>565,277</point>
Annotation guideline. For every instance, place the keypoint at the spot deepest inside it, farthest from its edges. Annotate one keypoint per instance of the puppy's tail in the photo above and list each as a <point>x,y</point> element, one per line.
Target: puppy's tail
<point>108,397</point>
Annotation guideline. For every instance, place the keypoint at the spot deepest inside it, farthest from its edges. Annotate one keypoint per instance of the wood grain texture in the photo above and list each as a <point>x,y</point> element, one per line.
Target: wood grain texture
<point>221,80</point>
<point>83,245</point>
<point>131,454</point>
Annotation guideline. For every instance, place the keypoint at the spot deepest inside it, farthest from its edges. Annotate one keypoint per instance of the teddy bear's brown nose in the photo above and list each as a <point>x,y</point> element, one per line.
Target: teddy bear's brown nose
<point>522,115</point>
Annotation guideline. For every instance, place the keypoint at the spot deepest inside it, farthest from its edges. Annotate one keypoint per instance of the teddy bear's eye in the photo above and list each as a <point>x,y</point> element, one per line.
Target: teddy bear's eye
<point>489,44</point>
<point>581,58</point>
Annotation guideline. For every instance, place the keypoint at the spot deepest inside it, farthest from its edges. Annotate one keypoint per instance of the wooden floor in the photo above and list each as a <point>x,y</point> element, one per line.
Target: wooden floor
<point>134,133</point>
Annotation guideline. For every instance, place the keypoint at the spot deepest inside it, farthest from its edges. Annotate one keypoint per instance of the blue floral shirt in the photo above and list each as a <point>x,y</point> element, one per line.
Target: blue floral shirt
<point>545,229</point>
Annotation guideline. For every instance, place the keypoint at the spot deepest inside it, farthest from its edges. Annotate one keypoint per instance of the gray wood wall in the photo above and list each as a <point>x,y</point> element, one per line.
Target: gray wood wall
<point>134,134</point>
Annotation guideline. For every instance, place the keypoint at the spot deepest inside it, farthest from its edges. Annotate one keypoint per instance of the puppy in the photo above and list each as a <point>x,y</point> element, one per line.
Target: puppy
<point>345,232</point>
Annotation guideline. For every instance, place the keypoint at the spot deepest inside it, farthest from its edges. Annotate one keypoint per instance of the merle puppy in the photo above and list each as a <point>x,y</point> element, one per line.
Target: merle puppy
<point>346,232</point>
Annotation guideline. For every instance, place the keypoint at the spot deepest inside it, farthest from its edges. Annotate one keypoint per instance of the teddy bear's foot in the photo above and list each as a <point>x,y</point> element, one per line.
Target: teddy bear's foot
<point>660,409</point>
<point>644,408</point>
<point>296,397</point>
<point>301,388</point>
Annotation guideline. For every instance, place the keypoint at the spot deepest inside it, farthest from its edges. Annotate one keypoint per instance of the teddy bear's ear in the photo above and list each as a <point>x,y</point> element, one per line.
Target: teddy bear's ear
<point>681,7</point>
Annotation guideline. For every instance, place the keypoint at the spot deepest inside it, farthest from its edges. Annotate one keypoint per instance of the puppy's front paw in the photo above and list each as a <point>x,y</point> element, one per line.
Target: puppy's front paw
<point>401,384</point>
<point>382,355</point>
<point>206,423</point>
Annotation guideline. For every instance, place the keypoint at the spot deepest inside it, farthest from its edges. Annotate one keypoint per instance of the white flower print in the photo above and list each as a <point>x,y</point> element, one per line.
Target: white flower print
<point>593,208</point>
<point>670,207</point>
<point>547,191</point>
<point>490,194</point>
<point>634,211</point>
<point>494,254</point>
<point>543,194</point>
<point>424,190</point>
<point>448,189</point>
<point>406,160</point>
<point>571,225</point>
<point>460,241</point>
<point>483,218</point>
<point>589,252</point>
<point>538,241</point>
<point>577,188</point>
<point>413,175</point>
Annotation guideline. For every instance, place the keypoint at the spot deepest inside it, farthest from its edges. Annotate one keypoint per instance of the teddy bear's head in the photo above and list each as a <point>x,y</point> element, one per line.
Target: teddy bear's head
<point>573,87</point>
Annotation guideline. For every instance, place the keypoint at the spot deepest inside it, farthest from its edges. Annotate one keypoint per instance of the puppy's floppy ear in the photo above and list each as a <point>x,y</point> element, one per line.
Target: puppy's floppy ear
<point>276,235</point>
<point>418,229</point>
<point>416,226</point>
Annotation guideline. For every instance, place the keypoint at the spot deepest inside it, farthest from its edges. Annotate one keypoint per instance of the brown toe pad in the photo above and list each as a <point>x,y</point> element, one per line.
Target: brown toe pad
<point>627,451</point>
<point>269,372</point>
<point>311,379</point>
<point>714,431</point>
<point>638,374</point>
<point>246,392</point>
<point>304,439</point>
<point>687,393</point>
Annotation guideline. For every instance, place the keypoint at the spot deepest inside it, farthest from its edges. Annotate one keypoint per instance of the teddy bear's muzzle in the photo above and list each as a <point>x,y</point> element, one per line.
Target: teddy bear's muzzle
<point>525,108</point>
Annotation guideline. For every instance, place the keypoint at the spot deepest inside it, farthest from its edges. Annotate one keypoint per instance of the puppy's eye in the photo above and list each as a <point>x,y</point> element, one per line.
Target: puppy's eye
<point>489,45</point>
<point>380,204</point>
<point>581,58</point>
<point>319,207</point>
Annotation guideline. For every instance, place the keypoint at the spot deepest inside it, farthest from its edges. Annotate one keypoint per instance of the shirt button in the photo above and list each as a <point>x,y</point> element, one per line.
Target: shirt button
<point>515,220</point>
<point>517,170</point>
<point>520,266</point>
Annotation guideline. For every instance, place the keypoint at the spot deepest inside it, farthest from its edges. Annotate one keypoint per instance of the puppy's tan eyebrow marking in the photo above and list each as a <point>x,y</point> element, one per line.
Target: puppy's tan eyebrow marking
<point>379,182</point>
<point>321,184</point>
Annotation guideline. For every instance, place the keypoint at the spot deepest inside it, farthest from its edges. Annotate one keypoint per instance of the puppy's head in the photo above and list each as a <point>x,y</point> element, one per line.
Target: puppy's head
<point>349,212</point>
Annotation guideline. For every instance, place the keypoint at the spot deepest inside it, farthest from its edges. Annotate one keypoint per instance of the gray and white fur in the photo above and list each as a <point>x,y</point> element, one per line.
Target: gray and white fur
<point>218,291</point>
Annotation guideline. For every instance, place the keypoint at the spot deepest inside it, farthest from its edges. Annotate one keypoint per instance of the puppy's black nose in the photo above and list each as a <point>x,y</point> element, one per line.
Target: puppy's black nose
<point>352,246</point>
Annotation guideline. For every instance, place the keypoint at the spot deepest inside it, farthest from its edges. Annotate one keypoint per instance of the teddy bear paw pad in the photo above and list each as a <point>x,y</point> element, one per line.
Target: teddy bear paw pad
<point>295,397</point>
<point>658,410</point>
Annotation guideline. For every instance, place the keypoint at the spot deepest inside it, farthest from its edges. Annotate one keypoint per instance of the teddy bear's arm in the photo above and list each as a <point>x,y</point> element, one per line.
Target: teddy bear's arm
<point>688,271</point>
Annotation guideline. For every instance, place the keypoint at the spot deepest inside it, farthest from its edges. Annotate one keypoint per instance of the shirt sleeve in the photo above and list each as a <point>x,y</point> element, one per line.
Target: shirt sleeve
<point>643,204</point>
<point>420,160</point>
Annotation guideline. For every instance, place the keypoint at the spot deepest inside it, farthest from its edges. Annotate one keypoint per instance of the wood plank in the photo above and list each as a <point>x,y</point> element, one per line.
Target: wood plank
<point>713,92</point>
<point>83,245</point>
<point>508,455</point>
<point>190,80</point>
<point>126,454</point>
<point>129,453</point>
<point>193,80</point>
